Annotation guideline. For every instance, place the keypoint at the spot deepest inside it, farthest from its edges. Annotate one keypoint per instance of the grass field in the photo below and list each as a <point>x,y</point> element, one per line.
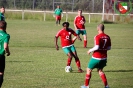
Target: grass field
<point>35,63</point>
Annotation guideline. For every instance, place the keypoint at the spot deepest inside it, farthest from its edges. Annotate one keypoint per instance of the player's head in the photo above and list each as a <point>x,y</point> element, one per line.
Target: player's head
<point>65,25</point>
<point>3,25</point>
<point>58,6</point>
<point>79,12</point>
<point>2,10</point>
<point>100,27</point>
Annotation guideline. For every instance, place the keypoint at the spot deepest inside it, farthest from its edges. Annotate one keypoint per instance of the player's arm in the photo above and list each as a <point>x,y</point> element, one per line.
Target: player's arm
<point>96,47</point>
<point>109,45</point>
<point>75,24</point>
<point>77,36</point>
<point>6,43</point>
<point>55,11</point>
<point>56,43</point>
<point>84,20</point>
<point>6,48</point>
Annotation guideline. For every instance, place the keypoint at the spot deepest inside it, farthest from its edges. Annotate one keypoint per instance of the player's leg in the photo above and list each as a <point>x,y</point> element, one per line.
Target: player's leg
<point>69,59</point>
<point>56,18</point>
<point>74,53</point>
<point>87,78</point>
<point>68,53</point>
<point>85,38</point>
<point>59,19</point>
<point>91,65</point>
<point>1,78</point>
<point>78,33</point>
<point>102,64</point>
<point>103,77</point>
<point>2,67</point>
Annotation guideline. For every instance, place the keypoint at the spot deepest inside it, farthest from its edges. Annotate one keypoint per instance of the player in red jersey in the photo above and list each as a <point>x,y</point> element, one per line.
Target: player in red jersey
<point>66,42</point>
<point>99,56</point>
<point>79,24</point>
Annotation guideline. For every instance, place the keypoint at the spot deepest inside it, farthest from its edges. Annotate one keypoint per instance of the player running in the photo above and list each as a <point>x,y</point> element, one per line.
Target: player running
<point>65,35</point>
<point>79,24</point>
<point>99,57</point>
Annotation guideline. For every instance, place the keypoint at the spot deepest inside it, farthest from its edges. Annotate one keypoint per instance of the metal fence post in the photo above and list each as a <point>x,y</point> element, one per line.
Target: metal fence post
<point>22,14</point>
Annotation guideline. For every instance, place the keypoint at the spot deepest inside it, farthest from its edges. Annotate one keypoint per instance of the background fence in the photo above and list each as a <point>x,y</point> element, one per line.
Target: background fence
<point>67,16</point>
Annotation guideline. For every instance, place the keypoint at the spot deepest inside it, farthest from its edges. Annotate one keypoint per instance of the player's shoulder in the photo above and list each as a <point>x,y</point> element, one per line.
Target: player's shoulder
<point>107,35</point>
<point>60,30</point>
<point>76,16</point>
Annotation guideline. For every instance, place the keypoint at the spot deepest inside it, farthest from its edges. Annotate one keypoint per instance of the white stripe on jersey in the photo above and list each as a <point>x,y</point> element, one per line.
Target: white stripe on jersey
<point>67,46</point>
<point>99,58</point>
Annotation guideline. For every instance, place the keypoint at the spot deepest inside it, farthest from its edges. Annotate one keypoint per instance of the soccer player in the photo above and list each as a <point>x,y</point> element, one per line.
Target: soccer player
<point>2,11</point>
<point>79,24</point>
<point>99,56</point>
<point>57,13</point>
<point>65,35</point>
<point>4,40</point>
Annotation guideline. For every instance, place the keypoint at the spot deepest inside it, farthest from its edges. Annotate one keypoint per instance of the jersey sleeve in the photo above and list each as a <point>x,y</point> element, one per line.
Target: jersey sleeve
<point>109,41</point>
<point>73,32</point>
<point>7,39</point>
<point>61,10</point>
<point>75,20</point>
<point>96,40</point>
<point>84,19</point>
<point>58,34</point>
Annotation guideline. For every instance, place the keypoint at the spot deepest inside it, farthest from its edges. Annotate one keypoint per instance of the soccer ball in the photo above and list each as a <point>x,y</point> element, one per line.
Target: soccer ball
<point>68,69</point>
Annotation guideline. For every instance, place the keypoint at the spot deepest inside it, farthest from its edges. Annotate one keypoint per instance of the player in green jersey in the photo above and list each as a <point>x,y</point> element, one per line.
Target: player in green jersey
<point>4,48</point>
<point>57,13</point>
<point>2,11</point>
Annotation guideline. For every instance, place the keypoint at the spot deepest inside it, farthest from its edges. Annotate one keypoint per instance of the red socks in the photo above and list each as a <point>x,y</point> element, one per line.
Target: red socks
<point>78,63</point>
<point>69,61</point>
<point>103,77</point>
<point>85,43</point>
<point>87,79</point>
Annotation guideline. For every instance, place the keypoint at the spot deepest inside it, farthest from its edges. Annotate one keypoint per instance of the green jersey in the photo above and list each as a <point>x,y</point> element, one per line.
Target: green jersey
<point>2,17</point>
<point>4,38</point>
<point>58,11</point>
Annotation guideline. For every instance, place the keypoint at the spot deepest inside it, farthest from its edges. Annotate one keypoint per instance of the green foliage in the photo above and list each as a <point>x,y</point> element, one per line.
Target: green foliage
<point>35,63</point>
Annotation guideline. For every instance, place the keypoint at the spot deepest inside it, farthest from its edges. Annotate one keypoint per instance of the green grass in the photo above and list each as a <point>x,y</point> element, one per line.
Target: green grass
<point>35,63</point>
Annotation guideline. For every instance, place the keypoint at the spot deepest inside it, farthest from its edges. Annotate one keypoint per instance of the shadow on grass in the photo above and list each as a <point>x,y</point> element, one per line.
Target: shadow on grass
<point>108,22</point>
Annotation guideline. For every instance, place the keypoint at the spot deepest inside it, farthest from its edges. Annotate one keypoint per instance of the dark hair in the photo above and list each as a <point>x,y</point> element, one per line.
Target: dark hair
<point>65,24</point>
<point>2,7</point>
<point>101,26</point>
<point>80,10</point>
<point>3,24</point>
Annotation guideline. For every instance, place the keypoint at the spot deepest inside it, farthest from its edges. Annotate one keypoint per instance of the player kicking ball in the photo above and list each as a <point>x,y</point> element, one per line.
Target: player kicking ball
<point>65,35</point>
<point>99,56</point>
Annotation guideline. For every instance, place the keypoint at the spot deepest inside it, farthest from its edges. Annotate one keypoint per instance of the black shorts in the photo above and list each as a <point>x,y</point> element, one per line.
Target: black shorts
<point>2,63</point>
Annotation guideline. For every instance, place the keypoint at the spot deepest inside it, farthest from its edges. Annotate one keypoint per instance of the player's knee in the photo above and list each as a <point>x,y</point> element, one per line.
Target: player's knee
<point>100,72</point>
<point>85,37</point>
<point>88,71</point>
<point>70,56</point>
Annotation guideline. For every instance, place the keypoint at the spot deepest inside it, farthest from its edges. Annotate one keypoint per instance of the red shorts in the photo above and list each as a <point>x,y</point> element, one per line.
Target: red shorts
<point>58,17</point>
